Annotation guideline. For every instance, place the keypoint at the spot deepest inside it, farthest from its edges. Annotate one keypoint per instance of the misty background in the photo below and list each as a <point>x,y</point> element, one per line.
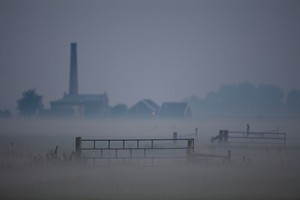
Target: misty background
<point>236,62</point>
<point>163,50</point>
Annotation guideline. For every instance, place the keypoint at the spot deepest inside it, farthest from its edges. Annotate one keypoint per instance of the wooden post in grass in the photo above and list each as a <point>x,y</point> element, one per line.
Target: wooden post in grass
<point>229,155</point>
<point>78,147</point>
<point>226,135</point>
<point>221,135</point>
<point>189,151</point>
<point>175,136</point>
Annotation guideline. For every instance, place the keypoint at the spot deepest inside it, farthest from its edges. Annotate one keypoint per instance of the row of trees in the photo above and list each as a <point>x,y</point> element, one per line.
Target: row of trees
<point>241,99</point>
<point>247,99</point>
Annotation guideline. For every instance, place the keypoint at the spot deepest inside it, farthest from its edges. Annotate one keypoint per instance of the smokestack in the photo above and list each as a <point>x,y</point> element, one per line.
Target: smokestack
<point>73,84</point>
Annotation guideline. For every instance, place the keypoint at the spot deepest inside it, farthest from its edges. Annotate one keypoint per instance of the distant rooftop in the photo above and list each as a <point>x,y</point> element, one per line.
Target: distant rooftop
<point>81,98</point>
<point>151,104</point>
<point>174,109</point>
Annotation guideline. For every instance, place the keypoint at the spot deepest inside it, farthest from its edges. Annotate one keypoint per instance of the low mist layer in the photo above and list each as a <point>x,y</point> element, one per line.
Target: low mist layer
<point>256,171</point>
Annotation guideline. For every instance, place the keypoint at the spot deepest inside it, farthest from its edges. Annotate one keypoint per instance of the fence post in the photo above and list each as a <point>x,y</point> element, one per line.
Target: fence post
<point>226,134</point>
<point>229,155</point>
<point>221,135</point>
<point>78,147</point>
<point>284,138</point>
<point>196,132</point>
<point>175,135</point>
<point>189,150</point>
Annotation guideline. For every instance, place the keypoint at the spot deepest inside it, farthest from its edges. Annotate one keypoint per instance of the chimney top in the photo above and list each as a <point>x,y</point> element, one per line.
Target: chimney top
<point>73,84</point>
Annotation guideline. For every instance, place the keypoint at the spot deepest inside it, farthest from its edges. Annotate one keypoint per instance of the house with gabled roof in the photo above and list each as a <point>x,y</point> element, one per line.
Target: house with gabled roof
<point>145,108</point>
<point>175,110</point>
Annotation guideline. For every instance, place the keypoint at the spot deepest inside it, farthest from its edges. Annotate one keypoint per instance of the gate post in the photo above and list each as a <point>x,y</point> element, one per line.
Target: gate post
<point>221,135</point>
<point>175,135</point>
<point>229,155</point>
<point>189,151</point>
<point>78,147</point>
<point>226,135</point>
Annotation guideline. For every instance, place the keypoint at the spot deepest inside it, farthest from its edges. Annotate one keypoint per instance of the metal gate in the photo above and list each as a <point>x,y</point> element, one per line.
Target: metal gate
<point>127,148</point>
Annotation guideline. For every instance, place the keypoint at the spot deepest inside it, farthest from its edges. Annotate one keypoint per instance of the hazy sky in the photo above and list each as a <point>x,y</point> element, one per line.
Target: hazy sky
<point>165,50</point>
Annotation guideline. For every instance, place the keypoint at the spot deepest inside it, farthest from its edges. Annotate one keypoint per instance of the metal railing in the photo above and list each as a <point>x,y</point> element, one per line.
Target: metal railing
<point>131,145</point>
<point>239,136</point>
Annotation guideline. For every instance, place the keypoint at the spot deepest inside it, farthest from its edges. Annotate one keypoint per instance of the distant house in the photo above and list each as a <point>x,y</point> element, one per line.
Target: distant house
<point>145,108</point>
<point>118,111</point>
<point>175,110</point>
<point>81,105</point>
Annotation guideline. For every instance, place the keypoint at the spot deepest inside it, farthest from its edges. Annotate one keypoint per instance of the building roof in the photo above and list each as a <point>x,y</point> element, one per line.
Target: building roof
<point>81,98</point>
<point>174,109</point>
<point>148,103</point>
<point>151,104</point>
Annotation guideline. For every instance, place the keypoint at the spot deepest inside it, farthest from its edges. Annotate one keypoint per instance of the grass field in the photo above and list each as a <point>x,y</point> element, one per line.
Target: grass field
<point>257,171</point>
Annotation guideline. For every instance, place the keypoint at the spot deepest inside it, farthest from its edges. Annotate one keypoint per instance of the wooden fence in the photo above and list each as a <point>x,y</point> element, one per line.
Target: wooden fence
<point>252,137</point>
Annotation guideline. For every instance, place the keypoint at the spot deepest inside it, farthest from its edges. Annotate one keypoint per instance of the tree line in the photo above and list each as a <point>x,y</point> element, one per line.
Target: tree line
<point>247,99</point>
<point>243,99</point>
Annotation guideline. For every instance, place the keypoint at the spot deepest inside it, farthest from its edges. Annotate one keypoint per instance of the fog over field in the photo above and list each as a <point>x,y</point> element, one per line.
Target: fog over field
<point>104,65</point>
<point>256,171</point>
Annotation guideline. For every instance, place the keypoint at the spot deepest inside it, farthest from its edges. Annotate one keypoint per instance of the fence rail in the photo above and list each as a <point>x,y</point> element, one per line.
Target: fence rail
<point>242,136</point>
<point>131,145</point>
<point>224,157</point>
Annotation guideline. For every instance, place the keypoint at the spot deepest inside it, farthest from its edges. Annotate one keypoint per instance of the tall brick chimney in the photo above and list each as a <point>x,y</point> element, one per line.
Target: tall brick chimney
<point>73,84</point>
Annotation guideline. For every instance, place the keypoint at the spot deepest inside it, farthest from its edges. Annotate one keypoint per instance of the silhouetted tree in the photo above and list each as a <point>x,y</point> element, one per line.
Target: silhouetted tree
<point>30,102</point>
<point>228,95</point>
<point>269,99</point>
<point>246,95</point>
<point>212,103</point>
<point>293,102</point>
<point>243,99</point>
<point>236,99</point>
